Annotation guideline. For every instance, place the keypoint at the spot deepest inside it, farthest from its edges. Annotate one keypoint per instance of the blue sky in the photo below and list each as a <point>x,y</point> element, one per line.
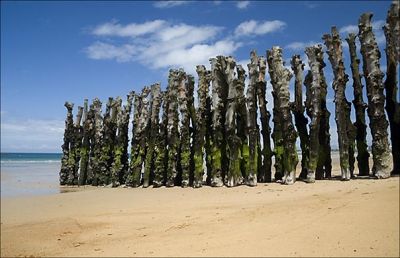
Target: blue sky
<point>57,51</point>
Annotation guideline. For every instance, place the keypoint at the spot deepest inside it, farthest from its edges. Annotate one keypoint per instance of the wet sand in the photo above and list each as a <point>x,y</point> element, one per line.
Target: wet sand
<point>328,218</point>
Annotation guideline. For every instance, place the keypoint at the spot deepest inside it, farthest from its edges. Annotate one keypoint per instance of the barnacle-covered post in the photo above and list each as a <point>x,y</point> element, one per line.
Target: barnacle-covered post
<point>345,128</point>
<point>94,159</point>
<point>174,79</point>
<point>184,126</point>
<point>253,132</point>
<point>107,146</point>
<point>313,104</point>
<point>201,124</point>
<point>160,147</point>
<point>154,131</point>
<point>219,90</point>
<point>193,125</point>
<point>324,166</point>
<point>68,134</point>
<point>88,116</point>
<point>265,174</point>
<point>135,165</point>
<point>280,78</point>
<point>241,118</point>
<point>74,150</point>
<point>373,76</point>
<point>120,164</point>
<point>359,106</point>
<point>392,33</point>
<point>298,110</point>
<point>233,175</point>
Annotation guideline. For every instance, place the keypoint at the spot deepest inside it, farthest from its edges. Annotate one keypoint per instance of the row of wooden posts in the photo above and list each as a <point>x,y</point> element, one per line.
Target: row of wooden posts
<point>219,142</point>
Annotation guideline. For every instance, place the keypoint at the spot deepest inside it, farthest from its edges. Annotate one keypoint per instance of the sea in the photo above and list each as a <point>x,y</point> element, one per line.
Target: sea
<point>26,174</point>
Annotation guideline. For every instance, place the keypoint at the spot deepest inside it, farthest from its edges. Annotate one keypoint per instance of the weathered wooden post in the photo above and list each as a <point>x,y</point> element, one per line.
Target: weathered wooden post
<point>345,128</point>
<point>324,166</point>
<point>392,33</point>
<point>88,116</point>
<point>69,128</point>
<point>265,174</point>
<point>280,78</point>
<point>201,124</point>
<point>192,125</point>
<point>313,104</point>
<point>174,79</point>
<point>154,131</point>
<point>184,126</point>
<point>301,121</point>
<point>160,148</point>
<point>94,159</point>
<point>75,143</point>
<point>359,106</point>
<point>120,164</point>
<point>137,153</point>
<point>253,132</point>
<point>376,100</point>
<point>219,95</point>
<point>233,175</point>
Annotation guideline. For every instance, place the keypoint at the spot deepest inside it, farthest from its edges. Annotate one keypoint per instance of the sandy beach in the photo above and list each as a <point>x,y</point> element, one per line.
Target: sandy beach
<point>328,218</point>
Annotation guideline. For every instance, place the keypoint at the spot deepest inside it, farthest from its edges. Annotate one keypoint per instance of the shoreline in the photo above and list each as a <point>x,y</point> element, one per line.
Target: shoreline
<point>328,218</point>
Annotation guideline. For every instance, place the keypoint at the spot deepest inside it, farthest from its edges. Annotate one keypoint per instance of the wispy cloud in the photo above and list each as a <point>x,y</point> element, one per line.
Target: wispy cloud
<point>300,46</point>
<point>170,45</point>
<point>253,27</point>
<point>100,50</point>
<point>32,135</point>
<point>113,28</point>
<point>169,4</point>
<point>349,29</point>
<point>376,28</point>
<point>242,4</point>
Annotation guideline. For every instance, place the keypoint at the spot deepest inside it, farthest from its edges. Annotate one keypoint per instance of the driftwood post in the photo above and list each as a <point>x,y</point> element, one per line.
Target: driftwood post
<point>280,78</point>
<point>265,172</point>
<point>160,147</point>
<point>298,110</point>
<point>219,89</point>
<point>360,107</point>
<point>201,124</point>
<point>120,164</point>
<point>85,148</point>
<point>253,130</point>
<point>392,33</point>
<point>233,176</point>
<point>324,166</point>
<point>175,77</point>
<point>94,160</point>
<point>184,127</point>
<point>313,104</point>
<point>345,128</point>
<point>153,134</point>
<point>69,128</point>
<point>376,100</point>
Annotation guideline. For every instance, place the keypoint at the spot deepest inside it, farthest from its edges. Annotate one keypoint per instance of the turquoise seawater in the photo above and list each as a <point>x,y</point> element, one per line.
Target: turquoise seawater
<point>24,174</point>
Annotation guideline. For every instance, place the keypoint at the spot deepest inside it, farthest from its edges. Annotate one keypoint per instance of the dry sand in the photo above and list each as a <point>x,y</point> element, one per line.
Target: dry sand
<point>328,218</point>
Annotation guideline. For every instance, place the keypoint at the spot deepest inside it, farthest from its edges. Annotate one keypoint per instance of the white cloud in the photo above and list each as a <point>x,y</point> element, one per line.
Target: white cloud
<point>296,46</point>
<point>100,50</point>
<point>32,135</point>
<point>169,4</point>
<point>253,27</point>
<point>349,29</point>
<point>171,45</point>
<point>376,28</point>
<point>113,28</point>
<point>242,4</point>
